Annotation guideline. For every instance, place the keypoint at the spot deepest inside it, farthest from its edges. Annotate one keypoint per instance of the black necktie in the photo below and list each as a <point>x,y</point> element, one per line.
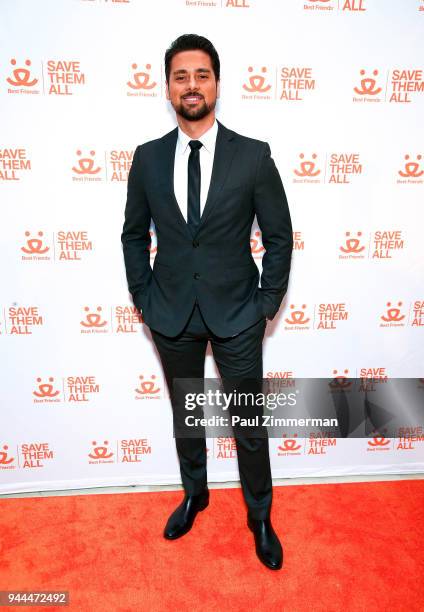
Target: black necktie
<point>193,192</point>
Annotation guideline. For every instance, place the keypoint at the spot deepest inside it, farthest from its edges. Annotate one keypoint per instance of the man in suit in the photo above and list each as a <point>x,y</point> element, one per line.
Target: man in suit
<point>203,184</point>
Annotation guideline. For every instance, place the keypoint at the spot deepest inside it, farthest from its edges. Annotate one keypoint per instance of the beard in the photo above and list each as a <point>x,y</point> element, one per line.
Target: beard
<point>194,113</point>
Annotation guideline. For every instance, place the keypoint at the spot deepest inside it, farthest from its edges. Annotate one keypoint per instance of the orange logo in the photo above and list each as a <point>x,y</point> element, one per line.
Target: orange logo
<point>295,81</point>
<point>100,452</point>
<point>286,374</point>
<point>33,454</point>
<point>237,4</point>
<point>409,437</point>
<point>23,319</point>
<point>63,75</point>
<point>256,246</point>
<point>418,314</point>
<point>147,387</point>
<point>34,245</point>
<point>127,319</point>
<point>86,165</point>
<point>35,248</point>
<point>330,314</point>
<point>342,166</point>
<point>93,320</point>
<point>298,241</point>
<point>371,376</point>
<point>12,161</point>
<point>411,169</point>
<point>378,442</point>
<point>386,243</point>
<point>81,387</point>
<point>368,85</point>
<point>340,381</point>
<point>319,445</point>
<point>133,450</point>
<point>352,245</point>
<point>119,163</point>
<point>141,82</point>
<point>353,5</point>
<point>211,3</point>
<point>140,79</point>
<point>46,390</point>
<point>4,459</point>
<point>72,245</point>
<point>257,82</point>
<point>289,445</point>
<point>318,5</point>
<point>307,168</point>
<point>225,448</point>
<point>297,317</point>
<point>393,313</point>
<point>21,76</point>
<point>404,83</point>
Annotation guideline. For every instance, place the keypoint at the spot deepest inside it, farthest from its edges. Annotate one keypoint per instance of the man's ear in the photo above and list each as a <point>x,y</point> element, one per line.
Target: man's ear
<point>218,89</point>
<point>167,90</point>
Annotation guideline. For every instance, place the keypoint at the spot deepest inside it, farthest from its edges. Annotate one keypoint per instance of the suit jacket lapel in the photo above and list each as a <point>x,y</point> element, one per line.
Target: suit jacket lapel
<point>225,149</point>
<point>168,160</point>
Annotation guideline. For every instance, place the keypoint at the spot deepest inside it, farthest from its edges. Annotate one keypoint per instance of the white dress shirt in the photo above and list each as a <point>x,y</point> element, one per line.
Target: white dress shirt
<point>182,152</point>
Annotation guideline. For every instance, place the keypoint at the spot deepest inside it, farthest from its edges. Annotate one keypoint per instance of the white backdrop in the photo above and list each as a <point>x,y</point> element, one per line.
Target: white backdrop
<point>336,87</point>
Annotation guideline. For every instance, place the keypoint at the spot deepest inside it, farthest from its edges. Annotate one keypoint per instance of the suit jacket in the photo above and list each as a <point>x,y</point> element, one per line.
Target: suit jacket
<point>214,263</point>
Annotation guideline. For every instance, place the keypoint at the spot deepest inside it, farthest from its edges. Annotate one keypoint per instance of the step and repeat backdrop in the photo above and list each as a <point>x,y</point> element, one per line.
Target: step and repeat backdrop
<point>336,87</point>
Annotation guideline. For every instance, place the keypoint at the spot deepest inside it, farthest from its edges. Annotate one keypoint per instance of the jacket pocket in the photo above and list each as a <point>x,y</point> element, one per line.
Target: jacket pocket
<point>161,270</point>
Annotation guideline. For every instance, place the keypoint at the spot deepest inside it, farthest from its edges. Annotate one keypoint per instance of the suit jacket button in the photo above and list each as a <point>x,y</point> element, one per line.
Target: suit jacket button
<point>195,243</point>
<point>196,275</point>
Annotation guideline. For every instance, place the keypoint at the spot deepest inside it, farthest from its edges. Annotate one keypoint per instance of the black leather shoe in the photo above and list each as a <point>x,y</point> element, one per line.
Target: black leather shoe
<point>182,519</point>
<point>268,547</point>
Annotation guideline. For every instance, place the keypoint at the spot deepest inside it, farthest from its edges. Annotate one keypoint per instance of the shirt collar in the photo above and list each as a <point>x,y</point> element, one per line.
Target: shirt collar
<point>207,139</point>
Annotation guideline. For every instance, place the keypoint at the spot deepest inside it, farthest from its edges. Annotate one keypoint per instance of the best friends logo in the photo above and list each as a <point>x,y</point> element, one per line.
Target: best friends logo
<point>69,245</point>
<point>403,85</point>
<point>292,83</point>
<point>57,77</point>
<point>380,245</point>
<point>344,6</point>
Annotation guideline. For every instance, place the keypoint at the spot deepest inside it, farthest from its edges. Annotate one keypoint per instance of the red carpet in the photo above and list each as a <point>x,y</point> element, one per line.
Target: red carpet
<point>346,547</point>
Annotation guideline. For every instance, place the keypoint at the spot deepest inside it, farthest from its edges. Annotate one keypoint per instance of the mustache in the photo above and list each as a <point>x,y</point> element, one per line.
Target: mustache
<point>194,93</point>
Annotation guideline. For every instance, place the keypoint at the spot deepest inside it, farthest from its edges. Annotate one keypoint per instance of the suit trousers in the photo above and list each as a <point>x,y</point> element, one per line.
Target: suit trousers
<point>237,357</point>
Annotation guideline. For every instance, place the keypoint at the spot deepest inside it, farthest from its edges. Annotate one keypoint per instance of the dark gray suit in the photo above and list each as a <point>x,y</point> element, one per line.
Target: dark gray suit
<point>204,286</point>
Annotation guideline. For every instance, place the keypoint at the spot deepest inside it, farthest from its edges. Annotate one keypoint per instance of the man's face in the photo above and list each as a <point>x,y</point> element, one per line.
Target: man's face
<point>192,87</point>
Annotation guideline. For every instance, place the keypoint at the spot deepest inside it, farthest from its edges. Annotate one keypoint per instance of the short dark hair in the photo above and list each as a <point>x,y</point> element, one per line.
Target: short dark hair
<point>191,42</point>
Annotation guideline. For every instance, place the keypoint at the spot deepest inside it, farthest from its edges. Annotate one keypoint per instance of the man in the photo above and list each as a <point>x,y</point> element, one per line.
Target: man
<point>202,184</point>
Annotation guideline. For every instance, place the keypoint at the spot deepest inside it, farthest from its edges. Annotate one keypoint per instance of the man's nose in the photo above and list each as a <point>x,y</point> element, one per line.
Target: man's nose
<point>192,81</point>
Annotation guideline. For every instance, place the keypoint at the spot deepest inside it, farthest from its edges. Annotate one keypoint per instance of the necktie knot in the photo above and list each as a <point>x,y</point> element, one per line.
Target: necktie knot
<point>195,145</point>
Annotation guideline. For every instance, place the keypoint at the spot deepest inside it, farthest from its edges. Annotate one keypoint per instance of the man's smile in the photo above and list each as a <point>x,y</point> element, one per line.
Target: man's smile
<point>192,99</point>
